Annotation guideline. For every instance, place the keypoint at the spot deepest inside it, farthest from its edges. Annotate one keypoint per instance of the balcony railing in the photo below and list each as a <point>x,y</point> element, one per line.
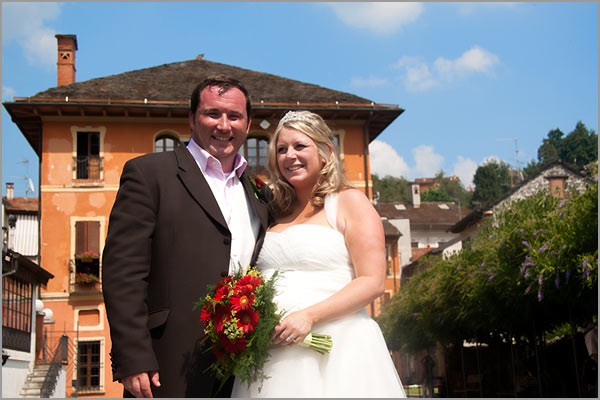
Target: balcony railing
<point>88,167</point>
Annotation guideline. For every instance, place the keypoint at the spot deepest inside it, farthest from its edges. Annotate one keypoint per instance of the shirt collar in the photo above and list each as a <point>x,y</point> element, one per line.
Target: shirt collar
<point>202,156</point>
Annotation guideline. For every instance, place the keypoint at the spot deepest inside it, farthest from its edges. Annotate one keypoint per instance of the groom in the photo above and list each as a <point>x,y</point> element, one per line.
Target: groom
<point>180,221</point>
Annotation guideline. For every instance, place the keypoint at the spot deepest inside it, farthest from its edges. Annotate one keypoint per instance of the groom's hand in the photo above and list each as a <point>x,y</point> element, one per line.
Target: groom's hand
<point>139,384</point>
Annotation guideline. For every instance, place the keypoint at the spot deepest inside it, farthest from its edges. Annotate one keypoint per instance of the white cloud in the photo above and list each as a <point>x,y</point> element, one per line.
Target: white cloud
<point>427,161</point>
<point>386,161</point>
<point>8,93</point>
<point>465,169</point>
<point>417,76</point>
<point>475,60</point>
<point>25,23</point>
<point>371,81</point>
<point>381,18</point>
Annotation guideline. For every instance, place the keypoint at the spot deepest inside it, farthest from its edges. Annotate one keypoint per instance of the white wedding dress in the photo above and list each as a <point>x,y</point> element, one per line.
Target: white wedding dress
<point>314,263</point>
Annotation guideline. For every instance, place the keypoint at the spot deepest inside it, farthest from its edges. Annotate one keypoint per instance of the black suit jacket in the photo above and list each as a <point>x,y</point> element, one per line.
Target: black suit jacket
<point>167,240</point>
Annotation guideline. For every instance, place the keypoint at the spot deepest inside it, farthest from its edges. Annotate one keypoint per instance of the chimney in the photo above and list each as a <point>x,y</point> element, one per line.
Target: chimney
<point>415,195</point>
<point>10,190</point>
<point>557,185</point>
<point>65,66</point>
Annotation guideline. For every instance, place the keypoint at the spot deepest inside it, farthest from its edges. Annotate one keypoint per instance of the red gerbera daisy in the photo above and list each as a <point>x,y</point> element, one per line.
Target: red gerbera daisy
<point>222,293</point>
<point>223,282</point>
<point>247,320</point>
<point>222,315</point>
<point>206,314</point>
<point>246,280</point>
<point>233,345</point>
<point>242,299</point>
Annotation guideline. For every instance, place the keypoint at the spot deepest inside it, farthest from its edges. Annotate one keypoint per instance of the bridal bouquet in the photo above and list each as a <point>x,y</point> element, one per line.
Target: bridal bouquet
<point>239,315</point>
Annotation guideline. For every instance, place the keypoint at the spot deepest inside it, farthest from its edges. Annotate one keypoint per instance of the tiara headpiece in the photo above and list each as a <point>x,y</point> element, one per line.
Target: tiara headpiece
<point>291,116</point>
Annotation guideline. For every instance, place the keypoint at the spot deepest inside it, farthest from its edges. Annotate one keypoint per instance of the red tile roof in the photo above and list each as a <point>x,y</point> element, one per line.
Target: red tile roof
<point>21,205</point>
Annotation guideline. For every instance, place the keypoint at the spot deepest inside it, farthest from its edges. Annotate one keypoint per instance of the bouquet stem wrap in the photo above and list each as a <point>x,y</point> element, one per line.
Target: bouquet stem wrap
<point>318,342</point>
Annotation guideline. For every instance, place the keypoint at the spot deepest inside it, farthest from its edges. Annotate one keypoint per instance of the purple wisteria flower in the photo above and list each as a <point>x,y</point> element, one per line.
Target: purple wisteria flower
<point>482,266</point>
<point>557,281</point>
<point>540,279</point>
<point>542,249</point>
<point>536,231</point>
<point>586,273</point>
<point>562,204</point>
<point>528,289</point>
<point>585,262</point>
<point>526,276</point>
<point>568,275</point>
<point>526,243</point>
<point>491,278</point>
<point>491,236</point>
<point>562,214</point>
<point>540,294</point>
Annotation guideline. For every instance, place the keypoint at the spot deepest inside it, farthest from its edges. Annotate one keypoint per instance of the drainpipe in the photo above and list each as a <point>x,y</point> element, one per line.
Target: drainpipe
<point>366,167</point>
<point>366,154</point>
<point>39,225</point>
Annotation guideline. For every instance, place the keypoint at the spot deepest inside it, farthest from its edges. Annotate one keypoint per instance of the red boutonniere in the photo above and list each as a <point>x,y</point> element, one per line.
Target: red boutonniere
<point>258,185</point>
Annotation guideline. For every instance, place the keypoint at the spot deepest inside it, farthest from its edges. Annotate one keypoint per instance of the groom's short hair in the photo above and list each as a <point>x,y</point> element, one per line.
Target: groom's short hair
<point>223,82</point>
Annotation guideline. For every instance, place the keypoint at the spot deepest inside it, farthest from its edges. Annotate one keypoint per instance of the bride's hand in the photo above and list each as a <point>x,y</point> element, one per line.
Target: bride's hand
<point>292,329</point>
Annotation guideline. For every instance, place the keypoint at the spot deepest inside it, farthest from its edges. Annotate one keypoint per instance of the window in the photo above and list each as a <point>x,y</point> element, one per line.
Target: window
<point>87,247</point>
<point>88,155</point>
<point>88,365</point>
<point>166,143</point>
<point>16,313</point>
<point>255,151</point>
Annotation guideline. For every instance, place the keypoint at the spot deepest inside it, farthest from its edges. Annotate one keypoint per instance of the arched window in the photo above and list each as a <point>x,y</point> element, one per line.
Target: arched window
<point>166,143</point>
<point>255,152</point>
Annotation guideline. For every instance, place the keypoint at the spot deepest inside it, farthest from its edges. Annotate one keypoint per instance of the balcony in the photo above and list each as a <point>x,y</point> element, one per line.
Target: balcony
<point>88,167</point>
<point>84,276</point>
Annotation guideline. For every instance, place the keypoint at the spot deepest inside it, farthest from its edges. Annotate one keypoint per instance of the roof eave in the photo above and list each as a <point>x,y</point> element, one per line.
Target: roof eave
<point>27,113</point>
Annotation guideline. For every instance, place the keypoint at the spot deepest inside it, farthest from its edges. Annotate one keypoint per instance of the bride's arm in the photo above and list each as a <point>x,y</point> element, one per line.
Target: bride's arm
<point>365,240</point>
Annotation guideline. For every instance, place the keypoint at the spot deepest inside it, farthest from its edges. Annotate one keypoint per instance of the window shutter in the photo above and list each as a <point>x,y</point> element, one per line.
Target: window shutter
<point>80,228</point>
<point>87,236</point>
<point>93,242</point>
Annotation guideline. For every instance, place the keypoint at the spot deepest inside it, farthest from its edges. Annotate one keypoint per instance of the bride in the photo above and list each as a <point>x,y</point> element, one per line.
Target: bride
<point>328,245</point>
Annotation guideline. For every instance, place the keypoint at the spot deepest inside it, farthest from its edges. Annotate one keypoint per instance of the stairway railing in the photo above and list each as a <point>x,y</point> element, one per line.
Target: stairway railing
<point>59,358</point>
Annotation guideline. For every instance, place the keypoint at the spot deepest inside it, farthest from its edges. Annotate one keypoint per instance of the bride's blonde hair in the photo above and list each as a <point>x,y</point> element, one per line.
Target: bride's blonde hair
<point>332,178</point>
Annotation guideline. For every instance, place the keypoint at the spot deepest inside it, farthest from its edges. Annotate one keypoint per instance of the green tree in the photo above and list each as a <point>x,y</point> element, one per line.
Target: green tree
<point>492,181</point>
<point>580,147</point>
<point>531,169</point>
<point>436,194</point>
<point>455,189</point>
<point>391,188</point>
<point>549,151</point>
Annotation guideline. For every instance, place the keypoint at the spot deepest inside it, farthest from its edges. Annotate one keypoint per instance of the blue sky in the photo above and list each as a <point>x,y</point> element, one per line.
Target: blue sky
<point>472,77</point>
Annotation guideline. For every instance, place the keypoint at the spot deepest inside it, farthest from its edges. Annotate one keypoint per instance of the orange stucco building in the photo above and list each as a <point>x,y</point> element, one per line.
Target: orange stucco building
<point>84,132</point>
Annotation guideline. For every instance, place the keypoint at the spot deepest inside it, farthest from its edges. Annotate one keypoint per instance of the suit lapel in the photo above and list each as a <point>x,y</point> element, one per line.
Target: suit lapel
<point>196,185</point>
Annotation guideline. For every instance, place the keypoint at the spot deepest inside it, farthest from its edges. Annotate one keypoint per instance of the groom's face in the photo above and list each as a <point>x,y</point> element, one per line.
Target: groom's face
<point>221,123</point>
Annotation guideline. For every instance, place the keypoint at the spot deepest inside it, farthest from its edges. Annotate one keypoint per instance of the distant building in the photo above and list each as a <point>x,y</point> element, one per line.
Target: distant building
<point>423,225</point>
<point>22,311</point>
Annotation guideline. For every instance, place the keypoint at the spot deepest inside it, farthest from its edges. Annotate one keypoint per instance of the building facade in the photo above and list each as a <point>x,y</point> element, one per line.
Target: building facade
<point>84,132</point>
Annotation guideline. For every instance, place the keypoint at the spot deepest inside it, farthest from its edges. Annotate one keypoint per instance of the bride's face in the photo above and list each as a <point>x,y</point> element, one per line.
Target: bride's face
<point>298,158</point>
